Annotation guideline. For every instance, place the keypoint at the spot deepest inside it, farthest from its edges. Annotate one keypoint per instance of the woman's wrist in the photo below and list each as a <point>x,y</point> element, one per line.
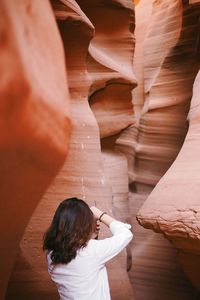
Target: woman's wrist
<point>101,216</point>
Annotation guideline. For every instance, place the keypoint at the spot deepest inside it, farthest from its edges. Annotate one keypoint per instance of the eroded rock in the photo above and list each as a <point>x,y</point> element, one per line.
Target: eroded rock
<point>173,206</point>
<point>85,171</point>
<point>169,67</point>
<point>35,123</point>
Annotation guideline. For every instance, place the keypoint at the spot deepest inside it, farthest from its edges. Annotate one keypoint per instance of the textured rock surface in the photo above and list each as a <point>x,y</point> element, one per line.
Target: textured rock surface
<point>153,142</point>
<point>166,96</point>
<point>86,172</point>
<point>34,116</point>
<point>110,62</point>
<point>127,142</point>
<point>149,132</point>
<point>173,207</point>
<point>179,188</point>
<point>156,273</point>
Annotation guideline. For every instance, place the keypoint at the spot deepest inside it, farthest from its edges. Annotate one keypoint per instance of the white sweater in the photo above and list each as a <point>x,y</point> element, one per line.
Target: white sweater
<point>85,277</point>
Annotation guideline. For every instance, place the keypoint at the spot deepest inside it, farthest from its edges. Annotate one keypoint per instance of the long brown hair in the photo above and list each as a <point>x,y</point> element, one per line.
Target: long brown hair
<point>71,228</point>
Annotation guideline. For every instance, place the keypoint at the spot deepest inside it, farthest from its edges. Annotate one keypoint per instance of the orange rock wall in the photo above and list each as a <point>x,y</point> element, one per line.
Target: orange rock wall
<point>93,68</point>
<point>35,123</point>
<point>161,101</point>
<point>143,116</point>
<point>172,208</point>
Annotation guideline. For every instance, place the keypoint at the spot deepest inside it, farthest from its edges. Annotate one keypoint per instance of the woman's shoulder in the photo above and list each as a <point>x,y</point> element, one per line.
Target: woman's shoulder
<point>92,245</point>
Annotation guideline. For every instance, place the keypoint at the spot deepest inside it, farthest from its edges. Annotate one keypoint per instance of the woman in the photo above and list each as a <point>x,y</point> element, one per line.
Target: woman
<point>76,261</point>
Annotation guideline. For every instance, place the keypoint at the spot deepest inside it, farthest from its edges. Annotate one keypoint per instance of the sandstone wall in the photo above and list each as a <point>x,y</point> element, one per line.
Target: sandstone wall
<point>35,123</point>
<point>110,113</point>
<point>161,101</point>
<point>172,208</point>
<point>177,215</point>
<point>98,76</point>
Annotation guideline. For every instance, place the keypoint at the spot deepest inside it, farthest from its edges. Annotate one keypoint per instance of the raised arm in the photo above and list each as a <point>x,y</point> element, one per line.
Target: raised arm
<point>108,248</point>
<point>105,218</point>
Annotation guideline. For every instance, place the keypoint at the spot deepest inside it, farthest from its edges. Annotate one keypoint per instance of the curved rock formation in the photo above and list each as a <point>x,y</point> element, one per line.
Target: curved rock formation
<point>169,55</point>
<point>173,206</point>
<point>86,172</point>
<point>35,123</point>
<point>109,64</point>
<point>148,125</point>
<point>178,214</point>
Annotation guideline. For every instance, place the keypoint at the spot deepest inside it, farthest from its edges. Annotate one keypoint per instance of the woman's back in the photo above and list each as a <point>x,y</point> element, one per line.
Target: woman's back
<point>85,277</point>
<point>76,262</point>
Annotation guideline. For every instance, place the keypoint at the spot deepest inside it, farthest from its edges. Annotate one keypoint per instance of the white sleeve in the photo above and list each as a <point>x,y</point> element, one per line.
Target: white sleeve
<point>110,247</point>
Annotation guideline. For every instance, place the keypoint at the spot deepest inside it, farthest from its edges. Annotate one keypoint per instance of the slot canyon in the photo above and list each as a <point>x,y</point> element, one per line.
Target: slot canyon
<point>100,100</point>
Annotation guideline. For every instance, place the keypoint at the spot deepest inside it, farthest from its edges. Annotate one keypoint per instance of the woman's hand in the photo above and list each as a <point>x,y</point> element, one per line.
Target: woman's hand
<point>97,229</point>
<point>96,212</point>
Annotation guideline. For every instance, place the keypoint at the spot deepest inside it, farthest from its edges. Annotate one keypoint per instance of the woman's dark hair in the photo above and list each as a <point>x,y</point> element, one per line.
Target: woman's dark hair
<point>70,230</point>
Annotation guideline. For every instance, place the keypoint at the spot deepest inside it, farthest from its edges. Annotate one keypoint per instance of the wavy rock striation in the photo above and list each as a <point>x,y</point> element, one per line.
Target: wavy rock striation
<point>148,125</point>
<point>109,64</point>
<point>92,66</point>
<point>178,214</point>
<point>153,142</point>
<point>173,206</point>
